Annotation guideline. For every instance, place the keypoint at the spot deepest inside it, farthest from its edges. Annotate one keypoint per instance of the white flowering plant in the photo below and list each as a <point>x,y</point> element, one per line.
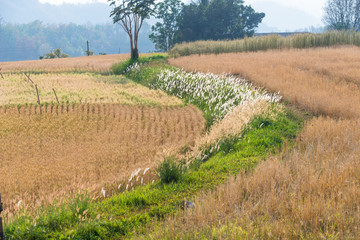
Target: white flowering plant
<point>215,95</point>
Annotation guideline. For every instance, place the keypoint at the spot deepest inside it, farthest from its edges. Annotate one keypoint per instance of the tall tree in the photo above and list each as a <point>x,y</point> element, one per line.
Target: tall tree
<point>342,14</point>
<point>218,19</point>
<point>164,32</point>
<point>130,14</point>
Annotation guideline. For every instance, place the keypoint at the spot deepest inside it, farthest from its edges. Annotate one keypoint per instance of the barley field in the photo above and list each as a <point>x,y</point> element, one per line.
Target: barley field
<point>98,64</point>
<point>84,147</point>
<point>16,89</point>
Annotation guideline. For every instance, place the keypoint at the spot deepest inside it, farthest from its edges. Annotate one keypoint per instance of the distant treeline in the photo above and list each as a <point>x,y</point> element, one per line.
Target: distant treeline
<point>253,44</point>
<point>32,40</point>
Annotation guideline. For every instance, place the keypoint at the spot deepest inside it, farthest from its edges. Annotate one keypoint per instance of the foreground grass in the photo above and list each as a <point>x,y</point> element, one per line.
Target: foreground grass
<point>122,214</point>
<point>310,192</point>
<point>307,192</point>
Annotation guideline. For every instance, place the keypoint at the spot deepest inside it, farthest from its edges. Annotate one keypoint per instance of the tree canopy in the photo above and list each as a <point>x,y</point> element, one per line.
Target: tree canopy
<point>164,33</point>
<point>130,14</point>
<point>55,54</point>
<point>217,19</point>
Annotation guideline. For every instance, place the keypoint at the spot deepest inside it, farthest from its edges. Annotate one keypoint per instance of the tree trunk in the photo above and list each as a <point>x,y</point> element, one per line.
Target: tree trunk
<point>134,50</point>
<point>134,53</point>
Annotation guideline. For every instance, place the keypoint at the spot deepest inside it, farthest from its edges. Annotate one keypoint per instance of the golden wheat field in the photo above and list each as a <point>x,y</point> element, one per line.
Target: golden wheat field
<point>307,192</point>
<point>79,88</point>
<point>72,148</point>
<point>100,63</point>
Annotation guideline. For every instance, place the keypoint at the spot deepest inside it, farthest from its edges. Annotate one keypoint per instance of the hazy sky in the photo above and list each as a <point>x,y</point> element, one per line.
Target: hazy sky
<point>313,7</point>
<point>281,15</point>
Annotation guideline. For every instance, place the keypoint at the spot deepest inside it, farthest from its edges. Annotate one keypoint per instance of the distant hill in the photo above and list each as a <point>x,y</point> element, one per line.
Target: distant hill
<point>25,11</point>
<point>283,18</point>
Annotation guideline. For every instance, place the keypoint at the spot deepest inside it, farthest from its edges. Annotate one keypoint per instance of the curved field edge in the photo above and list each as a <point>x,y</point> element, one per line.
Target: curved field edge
<point>120,215</point>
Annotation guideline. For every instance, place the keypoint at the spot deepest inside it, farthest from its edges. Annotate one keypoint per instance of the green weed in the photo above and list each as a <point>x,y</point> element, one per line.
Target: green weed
<point>170,171</point>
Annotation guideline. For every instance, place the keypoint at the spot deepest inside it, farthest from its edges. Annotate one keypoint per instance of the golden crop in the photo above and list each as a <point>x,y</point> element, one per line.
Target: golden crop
<point>72,148</point>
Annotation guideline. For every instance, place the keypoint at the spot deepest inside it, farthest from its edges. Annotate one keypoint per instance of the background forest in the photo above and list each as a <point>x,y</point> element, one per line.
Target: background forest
<point>32,40</point>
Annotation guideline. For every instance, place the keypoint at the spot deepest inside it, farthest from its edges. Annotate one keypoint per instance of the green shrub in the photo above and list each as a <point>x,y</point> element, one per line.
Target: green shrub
<point>124,66</point>
<point>158,58</point>
<point>170,171</point>
<point>120,68</point>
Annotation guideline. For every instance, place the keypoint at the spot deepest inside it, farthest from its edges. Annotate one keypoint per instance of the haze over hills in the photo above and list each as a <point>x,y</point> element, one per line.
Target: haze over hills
<point>284,18</point>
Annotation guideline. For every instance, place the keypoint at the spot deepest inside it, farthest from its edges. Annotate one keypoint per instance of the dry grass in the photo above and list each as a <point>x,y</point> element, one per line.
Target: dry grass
<point>96,64</point>
<point>68,149</point>
<point>311,192</point>
<point>79,88</point>
<point>324,81</point>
